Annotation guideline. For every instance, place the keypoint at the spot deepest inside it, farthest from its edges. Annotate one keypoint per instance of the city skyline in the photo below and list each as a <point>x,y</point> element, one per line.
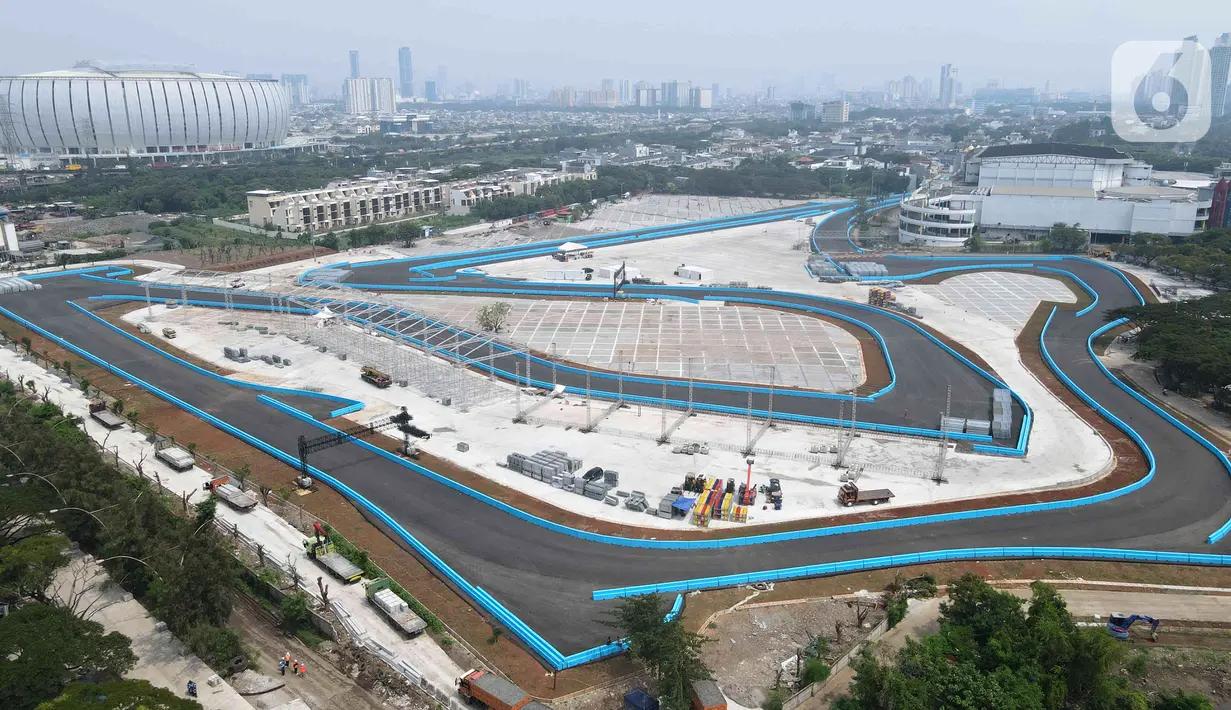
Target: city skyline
<point>1066,41</point>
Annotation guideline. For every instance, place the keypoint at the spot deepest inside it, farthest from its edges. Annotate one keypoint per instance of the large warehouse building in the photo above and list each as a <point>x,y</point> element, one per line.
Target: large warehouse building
<point>93,112</point>
<point>1017,192</point>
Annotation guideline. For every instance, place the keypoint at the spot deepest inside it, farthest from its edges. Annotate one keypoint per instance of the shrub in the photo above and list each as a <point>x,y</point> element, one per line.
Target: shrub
<point>215,645</point>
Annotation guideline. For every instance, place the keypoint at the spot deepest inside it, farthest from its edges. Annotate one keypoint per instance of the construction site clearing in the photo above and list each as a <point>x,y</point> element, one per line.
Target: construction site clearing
<point>801,458</point>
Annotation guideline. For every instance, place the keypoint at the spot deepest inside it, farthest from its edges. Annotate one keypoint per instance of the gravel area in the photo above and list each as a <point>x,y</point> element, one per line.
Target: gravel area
<point>750,644</point>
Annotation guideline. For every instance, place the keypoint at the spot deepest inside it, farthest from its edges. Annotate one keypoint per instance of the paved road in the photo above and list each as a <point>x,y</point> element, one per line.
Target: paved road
<point>547,578</point>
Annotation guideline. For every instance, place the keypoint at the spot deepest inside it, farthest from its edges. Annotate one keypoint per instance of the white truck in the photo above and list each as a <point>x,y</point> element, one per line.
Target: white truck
<point>173,456</point>
<point>232,494</point>
<point>394,608</point>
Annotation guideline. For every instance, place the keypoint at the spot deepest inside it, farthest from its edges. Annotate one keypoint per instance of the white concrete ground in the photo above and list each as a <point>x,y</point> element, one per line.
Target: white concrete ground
<point>717,342</point>
<point>281,540</point>
<point>1063,449</point>
<point>657,210</point>
<point>1007,298</point>
<point>1185,289</point>
<point>85,588</point>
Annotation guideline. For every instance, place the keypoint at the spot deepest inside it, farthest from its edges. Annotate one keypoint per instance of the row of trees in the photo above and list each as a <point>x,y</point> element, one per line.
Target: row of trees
<point>991,652</point>
<point>1205,256</point>
<point>172,559</point>
<point>1190,341</point>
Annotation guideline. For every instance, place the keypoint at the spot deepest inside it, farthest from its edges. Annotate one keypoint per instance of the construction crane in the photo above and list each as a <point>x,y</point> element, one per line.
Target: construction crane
<point>307,446</point>
<point>1119,624</point>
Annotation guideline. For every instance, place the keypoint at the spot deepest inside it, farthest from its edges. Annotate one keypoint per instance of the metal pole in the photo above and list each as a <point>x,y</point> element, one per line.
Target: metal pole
<point>663,404</point>
<point>517,386</point>
<point>553,367</point>
<point>587,400</point>
<point>149,307</point>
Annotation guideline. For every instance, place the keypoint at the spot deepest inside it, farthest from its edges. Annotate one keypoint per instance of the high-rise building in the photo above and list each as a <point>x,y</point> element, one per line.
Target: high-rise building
<point>800,111</point>
<point>383,98</point>
<point>354,64</point>
<point>626,92</point>
<point>770,93</point>
<point>669,94</point>
<point>835,111</point>
<point>368,96</point>
<point>357,95</point>
<point>948,85</point>
<point>442,81</point>
<point>429,90</point>
<point>406,74</point>
<point>296,88</point>
<point>714,92</point>
<point>1220,63</point>
<point>702,97</point>
<point>521,89</point>
<point>925,89</point>
<point>645,95</point>
<point>910,88</point>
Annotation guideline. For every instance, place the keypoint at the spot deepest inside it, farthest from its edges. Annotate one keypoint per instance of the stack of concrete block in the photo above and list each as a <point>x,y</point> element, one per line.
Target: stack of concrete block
<point>981,427</point>
<point>953,425</point>
<point>548,465</point>
<point>611,478</point>
<point>236,354</point>
<point>596,490</point>
<point>1002,414</point>
<point>636,502</point>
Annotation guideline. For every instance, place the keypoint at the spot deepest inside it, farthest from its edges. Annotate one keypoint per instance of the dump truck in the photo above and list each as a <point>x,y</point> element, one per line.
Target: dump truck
<point>231,493</point>
<point>850,494</point>
<point>104,416</point>
<point>394,607</point>
<point>375,377</point>
<point>168,333</point>
<point>319,548</point>
<point>491,691</point>
<point>173,456</point>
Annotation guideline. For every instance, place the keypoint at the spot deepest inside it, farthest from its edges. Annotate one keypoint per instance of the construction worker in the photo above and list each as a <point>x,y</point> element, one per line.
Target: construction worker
<point>282,665</point>
<point>295,667</point>
<point>287,658</point>
<point>303,669</point>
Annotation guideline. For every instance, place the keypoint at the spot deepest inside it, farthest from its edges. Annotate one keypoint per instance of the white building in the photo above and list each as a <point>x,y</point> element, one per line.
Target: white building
<point>835,112</point>
<point>512,183</point>
<point>369,96</point>
<point>1017,192</point>
<point>342,205</point>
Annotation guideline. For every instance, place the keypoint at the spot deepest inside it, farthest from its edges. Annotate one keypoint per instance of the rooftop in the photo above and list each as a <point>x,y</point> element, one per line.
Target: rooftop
<point>1069,149</point>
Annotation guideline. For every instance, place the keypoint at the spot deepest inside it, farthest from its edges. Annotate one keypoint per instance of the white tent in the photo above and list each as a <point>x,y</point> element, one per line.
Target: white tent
<point>568,247</point>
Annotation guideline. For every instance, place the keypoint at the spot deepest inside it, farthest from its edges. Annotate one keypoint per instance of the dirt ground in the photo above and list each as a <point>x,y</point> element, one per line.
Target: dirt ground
<point>750,644</point>
<point>192,260</point>
<point>1193,670</point>
<point>323,687</point>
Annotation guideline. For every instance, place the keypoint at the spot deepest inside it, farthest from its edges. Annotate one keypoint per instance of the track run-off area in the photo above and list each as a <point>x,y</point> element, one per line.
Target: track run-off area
<point>549,584</point>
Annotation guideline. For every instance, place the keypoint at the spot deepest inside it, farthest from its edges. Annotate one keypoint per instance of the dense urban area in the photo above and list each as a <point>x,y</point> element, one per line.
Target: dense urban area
<point>432,391</point>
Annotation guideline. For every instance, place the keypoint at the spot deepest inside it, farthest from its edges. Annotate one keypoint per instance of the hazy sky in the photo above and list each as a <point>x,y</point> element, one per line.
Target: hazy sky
<point>554,42</point>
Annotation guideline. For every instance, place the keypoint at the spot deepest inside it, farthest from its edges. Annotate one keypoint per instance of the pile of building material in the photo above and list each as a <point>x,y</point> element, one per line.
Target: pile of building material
<point>236,354</point>
<point>981,427</point>
<point>953,425</point>
<point>823,267</point>
<point>1002,414</point>
<point>882,297</point>
<point>549,466</point>
<point>636,502</point>
<point>865,268</point>
<point>15,285</point>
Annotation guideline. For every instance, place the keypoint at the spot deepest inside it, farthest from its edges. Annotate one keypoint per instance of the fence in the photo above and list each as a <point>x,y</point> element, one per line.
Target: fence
<point>838,666</point>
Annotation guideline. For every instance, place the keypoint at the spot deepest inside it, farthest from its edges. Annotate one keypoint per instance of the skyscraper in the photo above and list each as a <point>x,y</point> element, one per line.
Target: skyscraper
<point>626,91</point>
<point>429,90</point>
<point>714,92</point>
<point>354,64</point>
<point>383,98</point>
<point>1220,62</point>
<point>442,81</point>
<point>406,74</point>
<point>948,85</point>
<point>296,88</point>
<point>357,95</point>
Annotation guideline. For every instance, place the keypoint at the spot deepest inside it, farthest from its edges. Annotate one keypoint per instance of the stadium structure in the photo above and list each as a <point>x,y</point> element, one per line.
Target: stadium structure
<point>166,114</point>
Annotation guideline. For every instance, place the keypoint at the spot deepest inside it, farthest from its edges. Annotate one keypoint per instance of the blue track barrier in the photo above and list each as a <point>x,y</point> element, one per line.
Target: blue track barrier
<point>1222,531</point>
<point>1085,553</point>
<point>69,272</point>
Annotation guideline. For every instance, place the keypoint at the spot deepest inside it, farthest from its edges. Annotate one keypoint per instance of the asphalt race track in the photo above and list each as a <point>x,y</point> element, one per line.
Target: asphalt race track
<point>547,578</point>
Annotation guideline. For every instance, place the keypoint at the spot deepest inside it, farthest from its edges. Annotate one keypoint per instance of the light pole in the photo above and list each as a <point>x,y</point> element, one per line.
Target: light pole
<point>80,510</point>
<point>44,479</point>
<point>134,559</point>
<point>748,482</point>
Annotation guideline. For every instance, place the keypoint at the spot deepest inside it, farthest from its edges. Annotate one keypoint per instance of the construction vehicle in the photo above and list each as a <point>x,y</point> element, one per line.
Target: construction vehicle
<point>375,377</point>
<point>232,494</point>
<point>104,416</point>
<point>850,494</point>
<point>394,607</point>
<point>1118,625</point>
<point>491,691</point>
<point>321,549</point>
<point>172,455</point>
<point>168,333</point>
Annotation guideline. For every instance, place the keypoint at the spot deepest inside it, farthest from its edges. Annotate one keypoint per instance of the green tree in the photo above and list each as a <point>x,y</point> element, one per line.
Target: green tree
<point>668,650</point>
<point>1179,700</point>
<point>296,610</point>
<point>28,567</point>
<point>43,647</point>
<point>126,694</point>
<point>975,243</point>
<point>1065,239</point>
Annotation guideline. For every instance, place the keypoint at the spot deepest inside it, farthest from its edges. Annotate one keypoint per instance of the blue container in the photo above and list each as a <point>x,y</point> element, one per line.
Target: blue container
<point>639,700</point>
